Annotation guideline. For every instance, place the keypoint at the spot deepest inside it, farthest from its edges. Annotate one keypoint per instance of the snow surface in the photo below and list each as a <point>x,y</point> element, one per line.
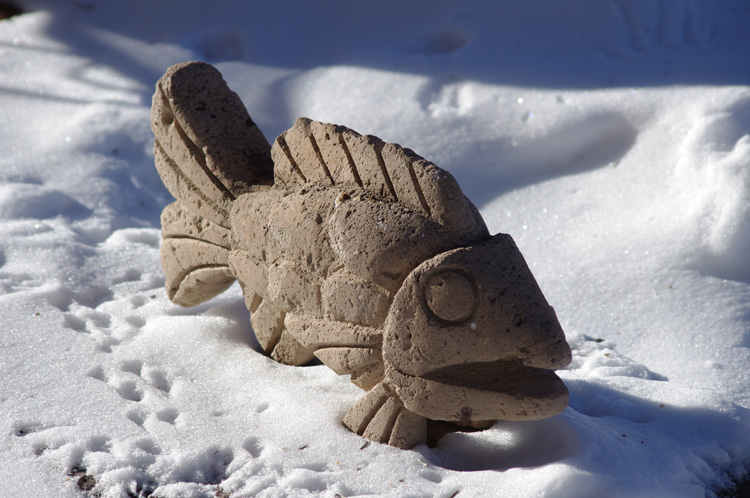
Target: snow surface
<point>611,139</point>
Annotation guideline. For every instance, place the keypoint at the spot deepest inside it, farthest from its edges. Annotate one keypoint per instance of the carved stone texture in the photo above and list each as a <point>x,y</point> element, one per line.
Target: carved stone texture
<point>358,252</point>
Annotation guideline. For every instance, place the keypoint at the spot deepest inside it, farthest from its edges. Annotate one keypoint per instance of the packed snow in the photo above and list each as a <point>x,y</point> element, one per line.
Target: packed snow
<point>610,139</point>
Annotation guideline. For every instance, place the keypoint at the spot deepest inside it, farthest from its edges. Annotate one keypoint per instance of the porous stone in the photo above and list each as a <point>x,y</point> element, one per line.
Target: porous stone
<point>198,114</point>
<point>268,323</point>
<point>195,257</point>
<point>380,427</point>
<point>358,252</point>
<point>359,416</point>
<point>409,430</point>
<point>363,364</point>
<point>364,303</point>
<point>464,307</point>
<point>290,352</point>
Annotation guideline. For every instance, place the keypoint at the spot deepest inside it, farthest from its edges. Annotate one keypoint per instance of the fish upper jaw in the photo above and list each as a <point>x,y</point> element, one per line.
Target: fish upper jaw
<point>472,304</point>
<point>549,355</point>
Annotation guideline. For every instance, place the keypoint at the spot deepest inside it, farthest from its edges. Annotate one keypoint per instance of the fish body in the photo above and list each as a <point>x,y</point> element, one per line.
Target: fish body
<point>359,253</point>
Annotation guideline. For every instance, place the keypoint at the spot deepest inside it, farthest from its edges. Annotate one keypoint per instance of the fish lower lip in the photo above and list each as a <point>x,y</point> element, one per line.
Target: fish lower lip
<point>497,390</point>
<point>496,376</point>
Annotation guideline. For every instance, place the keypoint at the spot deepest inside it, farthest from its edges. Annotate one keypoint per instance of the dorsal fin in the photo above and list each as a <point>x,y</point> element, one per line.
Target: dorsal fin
<point>313,152</point>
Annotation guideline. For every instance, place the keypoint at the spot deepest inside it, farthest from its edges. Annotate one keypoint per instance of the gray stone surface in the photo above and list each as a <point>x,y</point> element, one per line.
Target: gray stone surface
<point>357,252</point>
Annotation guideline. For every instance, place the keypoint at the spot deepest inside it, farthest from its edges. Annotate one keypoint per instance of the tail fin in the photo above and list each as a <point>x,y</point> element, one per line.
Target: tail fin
<point>207,149</point>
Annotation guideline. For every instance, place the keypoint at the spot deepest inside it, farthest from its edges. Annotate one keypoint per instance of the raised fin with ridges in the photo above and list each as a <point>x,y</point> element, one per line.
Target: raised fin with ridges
<point>380,416</point>
<point>194,255</point>
<point>314,152</point>
<point>207,149</point>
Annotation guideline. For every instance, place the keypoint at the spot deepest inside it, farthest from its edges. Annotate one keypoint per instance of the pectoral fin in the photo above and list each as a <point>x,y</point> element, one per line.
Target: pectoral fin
<point>381,417</point>
<point>194,257</point>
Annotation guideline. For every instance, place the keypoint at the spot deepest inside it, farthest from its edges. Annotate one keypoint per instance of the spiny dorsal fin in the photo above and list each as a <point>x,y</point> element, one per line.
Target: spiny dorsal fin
<point>207,149</point>
<point>330,154</point>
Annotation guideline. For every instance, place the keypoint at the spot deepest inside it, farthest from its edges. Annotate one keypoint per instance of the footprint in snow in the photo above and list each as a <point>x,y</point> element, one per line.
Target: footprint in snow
<point>133,381</point>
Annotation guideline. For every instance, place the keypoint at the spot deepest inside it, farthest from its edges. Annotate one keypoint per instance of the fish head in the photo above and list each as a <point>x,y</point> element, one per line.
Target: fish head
<point>469,336</point>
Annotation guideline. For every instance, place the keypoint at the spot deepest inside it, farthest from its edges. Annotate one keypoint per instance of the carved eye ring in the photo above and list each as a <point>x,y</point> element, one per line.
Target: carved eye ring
<point>449,295</point>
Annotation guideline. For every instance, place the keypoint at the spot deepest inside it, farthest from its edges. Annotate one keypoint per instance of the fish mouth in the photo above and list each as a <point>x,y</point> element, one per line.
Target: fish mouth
<point>496,390</point>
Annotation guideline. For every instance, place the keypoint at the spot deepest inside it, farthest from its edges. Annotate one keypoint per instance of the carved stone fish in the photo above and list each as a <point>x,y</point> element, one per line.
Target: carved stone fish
<point>357,252</point>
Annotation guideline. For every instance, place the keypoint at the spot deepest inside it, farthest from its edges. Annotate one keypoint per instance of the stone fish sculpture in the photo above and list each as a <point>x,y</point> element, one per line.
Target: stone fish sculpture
<point>359,253</point>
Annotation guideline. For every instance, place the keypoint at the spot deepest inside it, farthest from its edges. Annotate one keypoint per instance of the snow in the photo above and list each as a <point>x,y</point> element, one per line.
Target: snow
<point>610,139</point>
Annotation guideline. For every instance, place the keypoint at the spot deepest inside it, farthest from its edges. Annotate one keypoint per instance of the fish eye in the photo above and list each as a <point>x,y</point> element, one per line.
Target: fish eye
<point>450,295</point>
